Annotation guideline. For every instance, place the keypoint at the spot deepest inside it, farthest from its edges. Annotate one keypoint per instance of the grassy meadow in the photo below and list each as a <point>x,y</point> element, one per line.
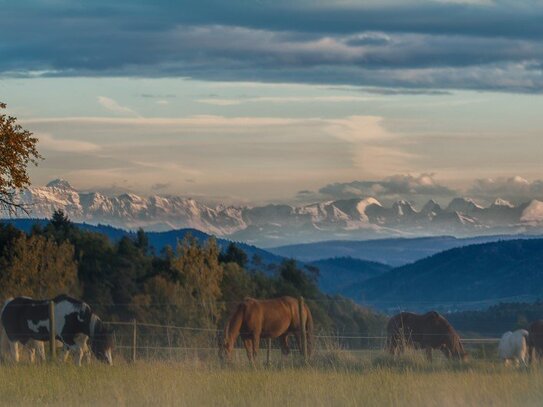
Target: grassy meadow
<point>332,379</point>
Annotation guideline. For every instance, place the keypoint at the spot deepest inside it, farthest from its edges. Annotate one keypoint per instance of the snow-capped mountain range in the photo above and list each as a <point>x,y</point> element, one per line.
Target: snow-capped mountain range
<point>273,225</point>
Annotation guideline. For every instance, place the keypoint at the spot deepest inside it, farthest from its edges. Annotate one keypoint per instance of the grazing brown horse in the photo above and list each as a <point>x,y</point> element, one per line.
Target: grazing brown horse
<point>260,319</point>
<point>427,331</point>
<point>535,340</point>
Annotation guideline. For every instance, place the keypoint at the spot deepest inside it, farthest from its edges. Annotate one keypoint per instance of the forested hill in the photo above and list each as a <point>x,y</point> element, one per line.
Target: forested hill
<point>338,275</point>
<point>394,252</point>
<point>157,240</point>
<point>196,283</point>
<point>483,274</point>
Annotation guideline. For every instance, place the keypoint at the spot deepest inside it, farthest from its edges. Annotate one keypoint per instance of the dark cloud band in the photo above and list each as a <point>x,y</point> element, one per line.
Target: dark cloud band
<point>425,45</point>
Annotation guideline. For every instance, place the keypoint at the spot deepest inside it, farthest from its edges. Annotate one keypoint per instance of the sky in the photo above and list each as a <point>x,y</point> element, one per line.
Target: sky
<point>255,101</point>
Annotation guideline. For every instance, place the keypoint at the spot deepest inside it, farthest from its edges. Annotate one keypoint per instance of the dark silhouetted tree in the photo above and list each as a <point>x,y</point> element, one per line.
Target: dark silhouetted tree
<point>233,254</point>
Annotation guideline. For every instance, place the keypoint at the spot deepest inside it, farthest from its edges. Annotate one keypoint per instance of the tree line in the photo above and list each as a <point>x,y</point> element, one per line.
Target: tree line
<point>194,284</point>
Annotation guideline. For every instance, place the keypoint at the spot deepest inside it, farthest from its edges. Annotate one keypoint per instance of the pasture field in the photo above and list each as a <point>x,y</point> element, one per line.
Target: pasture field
<point>333,379</point>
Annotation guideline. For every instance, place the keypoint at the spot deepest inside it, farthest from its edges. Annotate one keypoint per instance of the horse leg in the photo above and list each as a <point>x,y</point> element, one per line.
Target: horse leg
<point>40,350</point>
<point>14,350</point>
<point>256,344</point>
<point>79,348</point>
<point>65,353</point>
<point>298,337</point>
<point>31,352</point>
<point>401,345</point>
<point>446,351</point>
<point>87,353</point>
<point>429,353</point>
<point>86,350</point>
<point>285,349</point>
<point>78,355</point>
<point>391,345</point>
<point>248,343</point>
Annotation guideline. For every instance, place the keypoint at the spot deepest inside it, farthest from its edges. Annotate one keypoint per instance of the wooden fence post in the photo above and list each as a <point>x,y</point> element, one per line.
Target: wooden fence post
<point>52,333</point>
<point>268,351</point>
<point>302,328</point>
<point>134,339</point>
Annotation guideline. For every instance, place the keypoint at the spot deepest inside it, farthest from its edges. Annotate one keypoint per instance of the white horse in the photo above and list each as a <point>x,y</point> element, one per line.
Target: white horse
<point>514,347</point>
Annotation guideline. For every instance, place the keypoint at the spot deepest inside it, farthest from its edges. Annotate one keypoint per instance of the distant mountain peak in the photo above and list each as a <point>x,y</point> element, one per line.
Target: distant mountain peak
<point>59,183</point>
<point>463,204</point>
<point>403,208</point>
<point>503,202</point>
<point>430,206</point>
<point>277,224</point>
<point>533,213</point>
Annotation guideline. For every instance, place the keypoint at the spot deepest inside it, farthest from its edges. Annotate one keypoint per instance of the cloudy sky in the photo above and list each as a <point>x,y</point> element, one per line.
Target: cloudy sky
<point>259,101</point>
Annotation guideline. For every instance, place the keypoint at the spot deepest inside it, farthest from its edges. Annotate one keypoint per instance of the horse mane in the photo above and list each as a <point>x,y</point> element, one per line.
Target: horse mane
<point>456,344</point>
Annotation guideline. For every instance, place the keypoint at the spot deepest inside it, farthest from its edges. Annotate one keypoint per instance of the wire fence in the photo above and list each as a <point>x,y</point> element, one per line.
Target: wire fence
<point>151,341</point>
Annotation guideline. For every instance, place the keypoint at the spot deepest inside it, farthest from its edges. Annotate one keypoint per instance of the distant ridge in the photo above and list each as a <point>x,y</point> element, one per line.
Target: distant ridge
<point>335,274</point>
<point>158,240</point>
<point>393,251</point>
<point>339,274</point>
<point>462,277</point>
<point>279,224</point>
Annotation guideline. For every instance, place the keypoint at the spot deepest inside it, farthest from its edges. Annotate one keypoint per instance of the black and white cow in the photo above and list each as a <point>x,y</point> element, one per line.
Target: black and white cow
<point>26,321</point>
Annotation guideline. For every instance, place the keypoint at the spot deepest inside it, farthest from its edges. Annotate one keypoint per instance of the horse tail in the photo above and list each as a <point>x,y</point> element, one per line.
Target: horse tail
<point>232,328</point>
<point>4,340</point>
<point>309,331</point>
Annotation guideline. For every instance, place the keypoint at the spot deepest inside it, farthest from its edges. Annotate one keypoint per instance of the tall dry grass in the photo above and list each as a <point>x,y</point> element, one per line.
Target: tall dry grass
<point>335,380</point>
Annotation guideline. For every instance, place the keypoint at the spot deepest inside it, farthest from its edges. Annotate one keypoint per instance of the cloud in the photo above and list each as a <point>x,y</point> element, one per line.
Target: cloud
<point>287,99</point>
<point>158,96</point>
<point>394,187</point>
<point>206,121</point>
<point>363,142</point>
<point>357,129</point>
<point>456,44</point>
<point>159,186</point>
<point>516,189</point>
<point>114,106</point>
<point>48,142</point>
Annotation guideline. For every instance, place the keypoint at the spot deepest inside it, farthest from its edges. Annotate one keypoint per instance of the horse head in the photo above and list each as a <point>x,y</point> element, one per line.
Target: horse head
<point>225,346</point>
<point>457,350</point>
<point>102,340</point>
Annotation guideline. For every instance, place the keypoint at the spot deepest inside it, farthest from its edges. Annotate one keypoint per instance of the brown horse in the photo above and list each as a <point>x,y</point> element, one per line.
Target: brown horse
<point>260,319</point>
<point>535,340</point>
<point>427,331</point>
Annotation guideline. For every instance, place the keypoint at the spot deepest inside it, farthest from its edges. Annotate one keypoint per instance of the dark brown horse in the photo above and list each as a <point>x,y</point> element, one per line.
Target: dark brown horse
<point>427,331</point>
<point>535,340</point>
<point>261,319</point>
